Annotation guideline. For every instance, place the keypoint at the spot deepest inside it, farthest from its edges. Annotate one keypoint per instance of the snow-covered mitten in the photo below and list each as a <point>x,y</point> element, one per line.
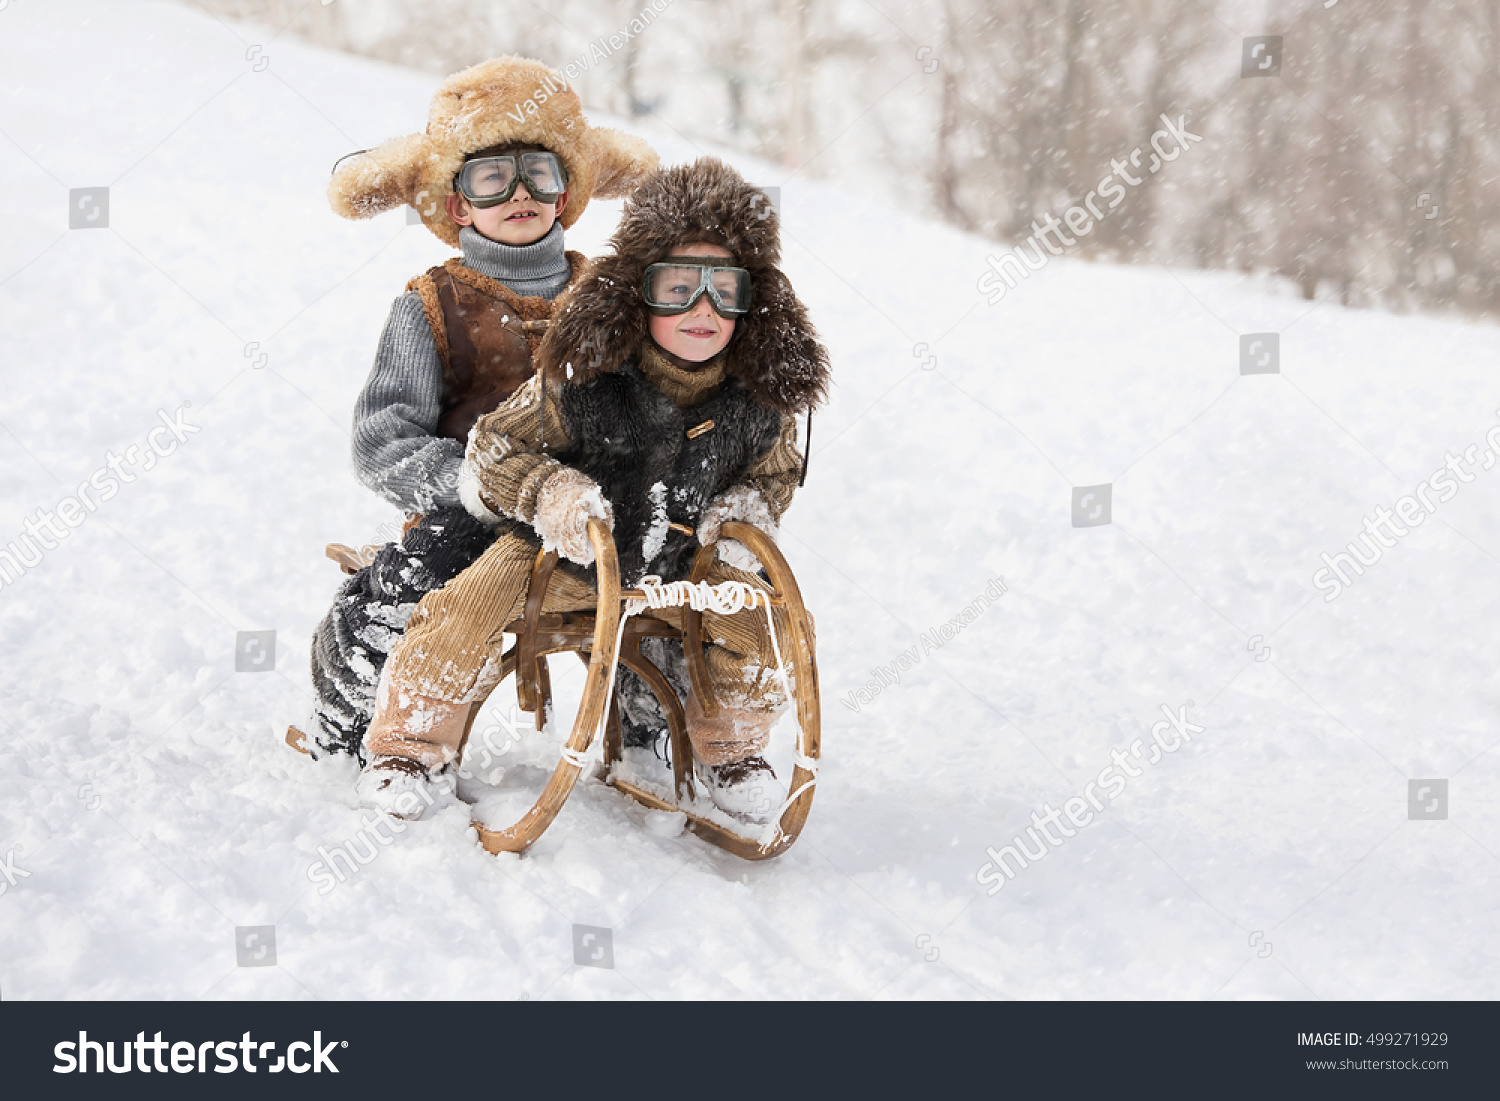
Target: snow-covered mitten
<point>741,502</point>
<point>482,454</point>
<point>471,494</point>
<point>564,505</point>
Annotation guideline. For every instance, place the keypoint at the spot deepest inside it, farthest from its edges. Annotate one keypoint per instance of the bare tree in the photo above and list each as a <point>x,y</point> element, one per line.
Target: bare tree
<point>1365,171</point>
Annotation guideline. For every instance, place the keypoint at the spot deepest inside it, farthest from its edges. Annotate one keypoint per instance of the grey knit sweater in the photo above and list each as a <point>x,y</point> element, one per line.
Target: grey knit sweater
<point>395,451</point>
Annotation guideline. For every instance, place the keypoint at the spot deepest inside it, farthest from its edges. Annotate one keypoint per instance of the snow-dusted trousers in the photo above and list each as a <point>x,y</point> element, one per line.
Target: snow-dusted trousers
<point>352,642</point>
<point>450,659</point>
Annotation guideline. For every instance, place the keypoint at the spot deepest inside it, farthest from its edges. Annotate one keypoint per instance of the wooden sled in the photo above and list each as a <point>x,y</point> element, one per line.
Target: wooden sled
<point>592,637</point>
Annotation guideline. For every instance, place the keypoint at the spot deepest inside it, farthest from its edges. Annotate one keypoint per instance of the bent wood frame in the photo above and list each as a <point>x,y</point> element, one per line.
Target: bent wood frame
<point>593,637</point>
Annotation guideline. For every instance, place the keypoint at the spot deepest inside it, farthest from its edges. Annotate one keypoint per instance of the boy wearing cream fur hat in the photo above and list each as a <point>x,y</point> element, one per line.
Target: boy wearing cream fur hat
<point>500,182</point>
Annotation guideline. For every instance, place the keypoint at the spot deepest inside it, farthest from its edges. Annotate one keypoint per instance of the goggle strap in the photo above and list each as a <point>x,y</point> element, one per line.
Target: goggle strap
<point>701,262</point>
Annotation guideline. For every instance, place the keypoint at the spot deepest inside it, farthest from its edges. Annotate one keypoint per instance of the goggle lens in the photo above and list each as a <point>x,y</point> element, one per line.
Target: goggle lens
<point>544,173</point>
<point>489,178</point>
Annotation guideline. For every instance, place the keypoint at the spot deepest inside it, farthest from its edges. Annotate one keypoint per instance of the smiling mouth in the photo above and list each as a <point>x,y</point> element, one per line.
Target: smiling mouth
<point>699,332</point>
<point>520,214</point>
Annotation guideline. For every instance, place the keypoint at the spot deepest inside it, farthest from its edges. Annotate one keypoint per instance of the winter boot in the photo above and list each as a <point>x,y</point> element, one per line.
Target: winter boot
<point>726,750</point>
<point>410,743</point>
<point>398,786</point>
<point>747,789</point>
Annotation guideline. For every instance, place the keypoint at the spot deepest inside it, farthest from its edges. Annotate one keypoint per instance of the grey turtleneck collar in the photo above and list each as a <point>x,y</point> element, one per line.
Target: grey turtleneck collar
<point>539,269</point>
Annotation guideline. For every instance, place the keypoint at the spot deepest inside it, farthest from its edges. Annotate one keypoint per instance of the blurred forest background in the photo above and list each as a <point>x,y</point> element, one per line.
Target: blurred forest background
<point>1365,170</point>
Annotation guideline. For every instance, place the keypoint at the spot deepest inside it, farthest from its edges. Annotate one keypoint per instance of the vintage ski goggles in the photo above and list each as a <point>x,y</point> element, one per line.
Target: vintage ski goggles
<point>490,181</point>
<point>675,285</point>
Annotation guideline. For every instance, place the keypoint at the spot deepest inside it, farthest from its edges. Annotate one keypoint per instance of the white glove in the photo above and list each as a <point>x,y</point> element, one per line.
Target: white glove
<point>741,502</point>
<point>564,505</point>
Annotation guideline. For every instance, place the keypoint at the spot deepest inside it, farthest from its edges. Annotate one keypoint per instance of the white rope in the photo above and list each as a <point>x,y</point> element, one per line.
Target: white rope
<point>571,755</point>
<point>578,760</point>
<point>810,765</point>
<point>725,598</point>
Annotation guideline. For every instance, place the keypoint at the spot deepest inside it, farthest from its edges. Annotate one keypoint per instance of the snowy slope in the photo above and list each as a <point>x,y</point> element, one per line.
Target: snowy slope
<point>146,795</point>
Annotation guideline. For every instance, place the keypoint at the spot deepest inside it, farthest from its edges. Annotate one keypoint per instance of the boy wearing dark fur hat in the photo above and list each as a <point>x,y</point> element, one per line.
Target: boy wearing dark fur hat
<point>459,342</point>
<point>667,403</point>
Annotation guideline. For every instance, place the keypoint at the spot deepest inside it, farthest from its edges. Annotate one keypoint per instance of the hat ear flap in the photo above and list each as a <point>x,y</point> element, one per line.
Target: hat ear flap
<point>775,350</point>
<point>597,325</point>
<point>379,179</point>
<point>621,162</point>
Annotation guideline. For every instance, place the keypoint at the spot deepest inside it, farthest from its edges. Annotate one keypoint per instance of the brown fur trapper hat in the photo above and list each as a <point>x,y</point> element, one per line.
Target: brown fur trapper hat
<point>508,99</point>
<point>602,321</point>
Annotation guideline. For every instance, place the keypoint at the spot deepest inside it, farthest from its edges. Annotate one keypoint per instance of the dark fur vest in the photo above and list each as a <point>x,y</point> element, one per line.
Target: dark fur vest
<point>633,440</point>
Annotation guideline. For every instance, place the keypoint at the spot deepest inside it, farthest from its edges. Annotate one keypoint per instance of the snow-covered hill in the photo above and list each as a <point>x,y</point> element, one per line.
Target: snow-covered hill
<point>148,808</point>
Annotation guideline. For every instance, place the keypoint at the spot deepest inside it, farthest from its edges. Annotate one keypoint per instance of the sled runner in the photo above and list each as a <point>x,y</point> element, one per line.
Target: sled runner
<point>613,635</point>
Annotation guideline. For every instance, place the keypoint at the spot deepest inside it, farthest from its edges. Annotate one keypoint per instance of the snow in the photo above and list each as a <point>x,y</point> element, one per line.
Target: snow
<point>148,806</point>
<point>656,533</point>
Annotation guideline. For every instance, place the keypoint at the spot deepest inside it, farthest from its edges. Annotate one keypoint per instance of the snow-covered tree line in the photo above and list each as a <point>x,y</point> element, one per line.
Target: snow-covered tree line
<point>1363,170</point>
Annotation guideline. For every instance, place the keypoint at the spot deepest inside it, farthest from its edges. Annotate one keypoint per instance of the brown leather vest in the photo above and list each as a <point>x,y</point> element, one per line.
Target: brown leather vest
<point>486,337</point>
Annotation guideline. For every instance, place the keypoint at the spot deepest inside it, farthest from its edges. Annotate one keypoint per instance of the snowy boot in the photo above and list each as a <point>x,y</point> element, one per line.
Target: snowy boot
<point>411,741</point>
<point>726,751</point>
<point>747,789</point>
<point>397,786</point>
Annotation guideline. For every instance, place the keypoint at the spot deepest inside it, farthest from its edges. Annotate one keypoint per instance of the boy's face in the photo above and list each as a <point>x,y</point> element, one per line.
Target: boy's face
<point>520,220</point>
<point>700,333</point>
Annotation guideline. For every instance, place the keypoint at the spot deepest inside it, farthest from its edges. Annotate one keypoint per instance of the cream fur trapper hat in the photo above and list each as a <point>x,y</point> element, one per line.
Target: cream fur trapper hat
<point>508,99</point>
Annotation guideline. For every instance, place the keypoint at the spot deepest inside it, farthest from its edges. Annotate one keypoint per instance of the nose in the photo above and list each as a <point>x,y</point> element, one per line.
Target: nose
<point>702,308</point>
